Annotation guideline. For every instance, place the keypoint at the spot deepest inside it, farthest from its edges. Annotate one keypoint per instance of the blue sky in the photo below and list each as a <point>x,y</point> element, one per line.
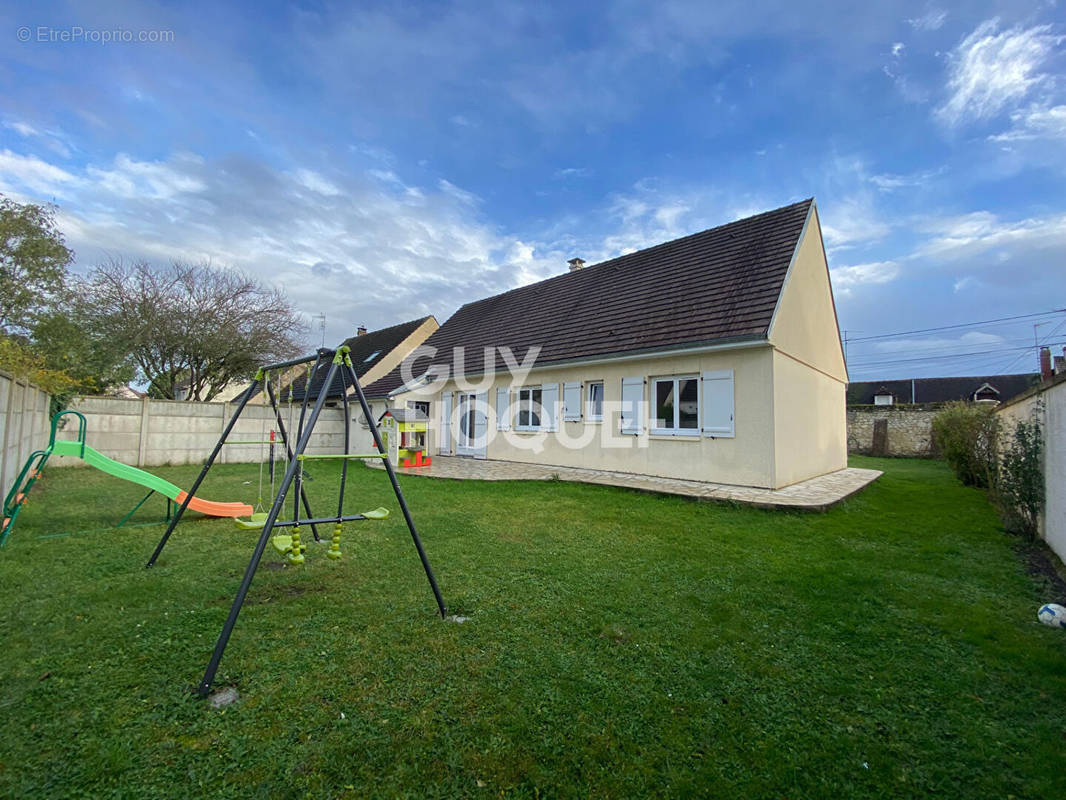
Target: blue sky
<point>385,161</point>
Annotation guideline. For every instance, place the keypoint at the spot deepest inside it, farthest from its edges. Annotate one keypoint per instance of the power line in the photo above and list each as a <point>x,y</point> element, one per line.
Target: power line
<point>946,356</point>
<point>955,327</point>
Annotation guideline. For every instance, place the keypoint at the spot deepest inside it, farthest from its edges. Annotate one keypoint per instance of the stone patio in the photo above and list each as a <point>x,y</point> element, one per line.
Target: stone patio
<point>816,494</point>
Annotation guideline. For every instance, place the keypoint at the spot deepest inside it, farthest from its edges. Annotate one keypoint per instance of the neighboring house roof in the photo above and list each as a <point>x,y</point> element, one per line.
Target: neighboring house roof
<point>940,390</point>
<point>366,352</point>
<point>717,286</point>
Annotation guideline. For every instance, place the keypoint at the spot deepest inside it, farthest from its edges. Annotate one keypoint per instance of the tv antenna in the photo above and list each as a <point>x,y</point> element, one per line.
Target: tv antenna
<point>321,326</point>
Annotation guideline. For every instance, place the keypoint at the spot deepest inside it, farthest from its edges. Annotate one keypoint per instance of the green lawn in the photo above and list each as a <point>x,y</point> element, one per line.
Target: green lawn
<point>619,645</point>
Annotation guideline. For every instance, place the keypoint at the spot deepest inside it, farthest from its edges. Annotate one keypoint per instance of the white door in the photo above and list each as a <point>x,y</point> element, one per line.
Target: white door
<point>444,443</point>
<point>472,425</point>
<point>465,413</point>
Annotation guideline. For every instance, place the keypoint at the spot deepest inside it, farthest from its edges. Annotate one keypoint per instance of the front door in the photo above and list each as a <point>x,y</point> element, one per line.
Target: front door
<point>471,425</point>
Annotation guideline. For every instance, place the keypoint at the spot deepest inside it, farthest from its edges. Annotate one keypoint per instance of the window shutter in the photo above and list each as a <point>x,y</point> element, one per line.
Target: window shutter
<point>571,402</point>
<point>445,443</point>
<point>503,409</point>
<point>718,403</point>
<point>549,398</point>
<point>632,405</point>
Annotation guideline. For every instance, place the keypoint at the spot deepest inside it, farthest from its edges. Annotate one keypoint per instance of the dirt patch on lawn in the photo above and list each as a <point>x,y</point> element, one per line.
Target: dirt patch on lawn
<point>1046,570</point>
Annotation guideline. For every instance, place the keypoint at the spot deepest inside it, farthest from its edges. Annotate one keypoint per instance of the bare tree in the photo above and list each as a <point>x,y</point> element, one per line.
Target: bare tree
<point>194,323</point>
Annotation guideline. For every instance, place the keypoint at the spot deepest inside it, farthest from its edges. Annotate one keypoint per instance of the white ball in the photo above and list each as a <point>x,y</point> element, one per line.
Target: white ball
<point>1052,614</point>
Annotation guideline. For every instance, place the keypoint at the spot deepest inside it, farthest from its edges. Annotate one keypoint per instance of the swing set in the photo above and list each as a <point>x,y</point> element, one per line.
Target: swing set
<point>290,545</point>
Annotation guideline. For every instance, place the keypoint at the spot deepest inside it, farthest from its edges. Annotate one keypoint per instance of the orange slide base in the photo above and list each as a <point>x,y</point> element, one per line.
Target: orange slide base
<point>215,509</point>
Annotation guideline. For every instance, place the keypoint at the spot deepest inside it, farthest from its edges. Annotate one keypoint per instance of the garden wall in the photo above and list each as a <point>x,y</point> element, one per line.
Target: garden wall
<point>891,430</point>
<point>148,432</point>
<point>1048,404</point>
<point>24,426</point>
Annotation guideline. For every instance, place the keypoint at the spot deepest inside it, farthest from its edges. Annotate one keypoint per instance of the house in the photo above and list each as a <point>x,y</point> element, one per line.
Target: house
<point>975,389</point>
<point>374,354</point>
<point>714,357</point>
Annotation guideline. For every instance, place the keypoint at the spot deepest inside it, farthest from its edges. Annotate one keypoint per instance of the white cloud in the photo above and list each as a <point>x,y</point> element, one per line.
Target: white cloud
<point>572,172</point>
<point>897,49</point>
<point>1035,123</point>
<point>932,20</point>
<point>989,71</point>
<point>129,178</point>
<point>30,172</point>
<point>846,279</point>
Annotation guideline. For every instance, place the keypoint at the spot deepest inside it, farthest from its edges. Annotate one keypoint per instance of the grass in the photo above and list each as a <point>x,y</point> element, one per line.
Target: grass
<point>619,645</point>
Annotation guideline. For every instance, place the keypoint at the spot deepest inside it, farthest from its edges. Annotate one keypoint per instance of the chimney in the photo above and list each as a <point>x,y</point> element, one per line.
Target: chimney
<point>361,330</point>
<point>576,264</point>
<point>1045,364</point>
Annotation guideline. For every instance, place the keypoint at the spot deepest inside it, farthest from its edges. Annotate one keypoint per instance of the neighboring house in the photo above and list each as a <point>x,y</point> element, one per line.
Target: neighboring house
<point>714,357</point>
<point>126,392</point>
<point>374,355</point>
<point>980,389</point>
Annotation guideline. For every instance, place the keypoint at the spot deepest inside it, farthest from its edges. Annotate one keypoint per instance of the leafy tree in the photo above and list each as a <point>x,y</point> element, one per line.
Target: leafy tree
<point>967,435</point>
<point>1020,495</point>
<point>193,323</point>
<point>69,335</point>
<point>33,262</point>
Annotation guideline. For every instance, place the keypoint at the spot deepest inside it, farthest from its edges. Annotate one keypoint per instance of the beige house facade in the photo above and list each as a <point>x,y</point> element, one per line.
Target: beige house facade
<point>762,404</point>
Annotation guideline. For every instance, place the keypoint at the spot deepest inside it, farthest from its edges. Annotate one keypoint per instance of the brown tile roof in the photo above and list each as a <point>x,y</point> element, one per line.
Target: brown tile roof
<point>719,285</point>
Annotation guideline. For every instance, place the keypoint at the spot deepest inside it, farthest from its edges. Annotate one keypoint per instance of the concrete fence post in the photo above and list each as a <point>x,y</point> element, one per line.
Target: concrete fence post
<point>142,438</point>
<point>7,473</point>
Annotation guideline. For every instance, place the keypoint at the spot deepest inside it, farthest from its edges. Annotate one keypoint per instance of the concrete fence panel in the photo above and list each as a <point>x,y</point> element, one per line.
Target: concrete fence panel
<point>24,426</point>
<point>146,433</point>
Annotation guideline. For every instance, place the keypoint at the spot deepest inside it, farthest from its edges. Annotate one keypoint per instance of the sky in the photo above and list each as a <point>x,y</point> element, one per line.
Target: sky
<point>384,161</point>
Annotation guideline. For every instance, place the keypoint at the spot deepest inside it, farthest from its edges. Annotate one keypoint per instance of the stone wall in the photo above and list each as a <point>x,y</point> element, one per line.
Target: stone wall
<point>891,431</point>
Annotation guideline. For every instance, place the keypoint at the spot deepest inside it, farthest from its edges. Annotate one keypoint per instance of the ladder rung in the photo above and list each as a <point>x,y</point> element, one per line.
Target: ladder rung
<point>306,457</point>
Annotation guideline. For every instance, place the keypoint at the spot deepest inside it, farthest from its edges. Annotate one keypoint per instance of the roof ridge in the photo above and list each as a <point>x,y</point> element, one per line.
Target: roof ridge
<point>652,248</point>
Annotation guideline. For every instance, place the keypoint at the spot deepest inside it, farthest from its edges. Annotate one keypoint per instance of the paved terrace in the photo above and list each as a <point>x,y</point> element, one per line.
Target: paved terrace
<point>816,494</point>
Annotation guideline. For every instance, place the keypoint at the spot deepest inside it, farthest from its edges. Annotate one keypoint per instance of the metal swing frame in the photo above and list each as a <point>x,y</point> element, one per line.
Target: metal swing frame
<point>339,361</point>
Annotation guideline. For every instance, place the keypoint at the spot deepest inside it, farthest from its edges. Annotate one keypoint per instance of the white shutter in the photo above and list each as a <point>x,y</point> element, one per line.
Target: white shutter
<point>632,405</point>
<point>549,398</point>
<point>572,402</point>
<point>503,409</point>
<point>444,445</point>
<point>718,403</point>
<point>481,425</point>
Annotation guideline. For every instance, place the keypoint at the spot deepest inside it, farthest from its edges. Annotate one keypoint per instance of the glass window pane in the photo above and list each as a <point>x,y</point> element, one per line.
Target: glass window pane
<point>689,405</point>
<point>664,404</point>
<point>534,411</point>
<point>523,408</point>
<point>596,399</point>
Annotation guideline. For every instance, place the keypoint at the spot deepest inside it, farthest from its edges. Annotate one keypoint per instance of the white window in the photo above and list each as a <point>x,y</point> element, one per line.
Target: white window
<point>572,402</point>
<point>718,403</point>
<point>371,357</point>
<point>883,399</point>
<point>677,406</point>
<point>529,408</point>
<point>632,405</point>
<point>594,409</point>
<point>503,409</point>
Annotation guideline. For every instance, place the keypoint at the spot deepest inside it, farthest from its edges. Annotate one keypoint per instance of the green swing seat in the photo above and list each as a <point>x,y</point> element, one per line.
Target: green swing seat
<point>258,519</point>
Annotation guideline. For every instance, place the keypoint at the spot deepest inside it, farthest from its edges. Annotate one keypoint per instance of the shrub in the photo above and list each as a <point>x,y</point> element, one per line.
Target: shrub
<point>967,436</point>
<point>1020,492</point>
